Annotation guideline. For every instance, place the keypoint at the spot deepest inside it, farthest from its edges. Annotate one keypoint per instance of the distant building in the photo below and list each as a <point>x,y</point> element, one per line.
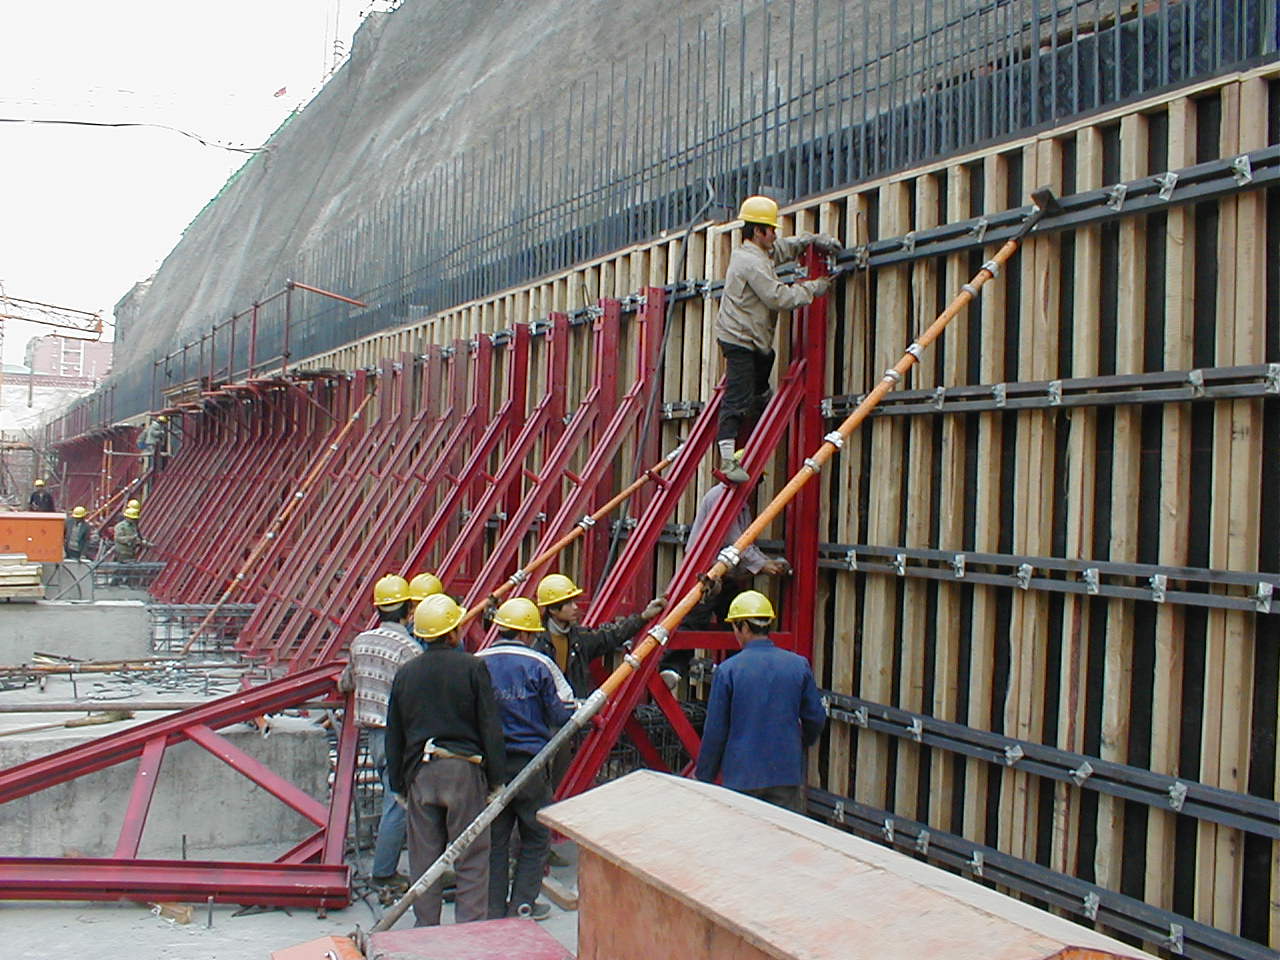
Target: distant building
<point>60,356</point>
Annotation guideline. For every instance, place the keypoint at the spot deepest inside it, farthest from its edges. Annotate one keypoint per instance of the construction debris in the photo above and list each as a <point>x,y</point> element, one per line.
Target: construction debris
<point>20,579</point>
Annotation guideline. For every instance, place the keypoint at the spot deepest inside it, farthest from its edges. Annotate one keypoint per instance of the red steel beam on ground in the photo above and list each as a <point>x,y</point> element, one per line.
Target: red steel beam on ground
<point>263,884</point>
<point>292,881</point>
<point>36,775</point>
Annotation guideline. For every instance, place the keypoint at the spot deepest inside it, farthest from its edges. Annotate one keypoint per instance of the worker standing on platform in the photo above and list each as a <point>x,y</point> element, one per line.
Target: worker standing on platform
<point>152,442</point>
<point>445,754</point>
<point>128,538</point>
<point>745,321</point>
<point>763,713</point>
<point>41,500</point>
<point>533,698</point>
<point>572,646</point>
<point>376,655</point>
<point>77,535</point>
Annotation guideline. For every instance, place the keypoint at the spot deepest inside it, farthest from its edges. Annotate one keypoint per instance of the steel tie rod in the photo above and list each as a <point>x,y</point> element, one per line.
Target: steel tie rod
<point>658,635</point>
<point>579,529</point>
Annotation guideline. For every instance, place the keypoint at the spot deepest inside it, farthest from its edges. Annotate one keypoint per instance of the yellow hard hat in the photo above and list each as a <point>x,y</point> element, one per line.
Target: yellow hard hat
<point>79,512</point>
<point>436,616</point>
<point>39,483</point>
<point>132,512</point>
<point>750,605</point>
<point>759,210</point>
<point>390,590</point>
<point>424,585</point>
<point>133,505</point>
<point>162,418</point>
<point>556,588</point>
<point>519,613</point>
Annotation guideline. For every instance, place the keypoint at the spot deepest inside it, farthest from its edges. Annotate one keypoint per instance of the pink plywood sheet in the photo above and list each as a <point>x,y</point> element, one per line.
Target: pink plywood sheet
<point>510,939</point>
<point>796,888</point>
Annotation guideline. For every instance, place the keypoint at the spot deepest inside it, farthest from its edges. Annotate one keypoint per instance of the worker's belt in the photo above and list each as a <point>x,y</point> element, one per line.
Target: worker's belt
<point>430,751</point>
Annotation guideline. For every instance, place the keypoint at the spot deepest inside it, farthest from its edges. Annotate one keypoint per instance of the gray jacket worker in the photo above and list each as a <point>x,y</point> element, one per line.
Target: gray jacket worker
<point>744,324</point>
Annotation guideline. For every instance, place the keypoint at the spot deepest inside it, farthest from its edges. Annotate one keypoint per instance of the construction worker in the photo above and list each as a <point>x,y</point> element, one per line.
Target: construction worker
<point>572,646</point>
<point>127,537</point>
<point>41,500</point>
<point>152,441</point>
<point>445,754</point>
<point>376,655</point>
<point>763,713</point>
<point>745,321</point>
<point>533,698</point>
<point>423,585</point>
<point>737,579</point>
<point>76,541</point>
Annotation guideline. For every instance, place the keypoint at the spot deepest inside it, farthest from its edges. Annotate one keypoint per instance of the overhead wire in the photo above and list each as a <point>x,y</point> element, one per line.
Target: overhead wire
<point>158,126</point>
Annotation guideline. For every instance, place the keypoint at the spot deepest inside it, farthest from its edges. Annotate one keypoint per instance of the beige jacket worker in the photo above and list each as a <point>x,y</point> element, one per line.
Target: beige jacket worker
<point>753,294</point>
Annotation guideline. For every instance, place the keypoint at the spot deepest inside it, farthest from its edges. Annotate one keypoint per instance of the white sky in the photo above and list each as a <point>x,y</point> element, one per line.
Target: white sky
<point>86,212</point>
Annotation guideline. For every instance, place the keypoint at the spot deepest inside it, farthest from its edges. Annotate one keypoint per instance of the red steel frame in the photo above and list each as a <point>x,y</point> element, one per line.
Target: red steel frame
<point>389,494</point>
<point>794,409</point>
<point>311,873</point>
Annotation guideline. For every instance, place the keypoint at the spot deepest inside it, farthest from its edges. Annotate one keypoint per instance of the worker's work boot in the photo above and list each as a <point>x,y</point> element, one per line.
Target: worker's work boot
<point>733,471</point>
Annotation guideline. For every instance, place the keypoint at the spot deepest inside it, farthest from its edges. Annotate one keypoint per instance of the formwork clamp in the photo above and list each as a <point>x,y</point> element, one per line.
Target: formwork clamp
<point>1159,585</point>
<point>922,842</point>
<point>1091,580</point>
<point>916,729</point>
<point>1177,795</point>
<point>1262,597</point>
<point>1272,378</point>
<point>1167,181</point>
<point>1012,754</point>
<point>957,566</point>
<point>1242,169</point>
<point>1173,942</point>
<point>886,830</point>
<point>1023,576</point>
<point>1116,195</point>
<point>1091,903</point>
<point>1081,773</point>
<point>976,864</point>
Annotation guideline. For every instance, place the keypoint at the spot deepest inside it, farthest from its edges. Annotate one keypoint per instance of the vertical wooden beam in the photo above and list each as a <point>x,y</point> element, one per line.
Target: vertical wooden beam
<point>1175,458</point>
<point>1236,503</point>
<point>951,506</point>
<point>1125,496</point>
<point>1040,267</point>
<point>848,473</point>
<point>986,537</point>
<point>1081,469</point>
<point>924,296</point>
<point>880,618</point>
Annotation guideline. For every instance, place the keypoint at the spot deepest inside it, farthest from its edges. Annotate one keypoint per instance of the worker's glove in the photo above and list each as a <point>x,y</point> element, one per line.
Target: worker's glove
<point>827,244</point>
<point>818,286</point>
<point>776,568</point>
<point>655,607</point>
<point>400,799</point>
<point>490,611</point>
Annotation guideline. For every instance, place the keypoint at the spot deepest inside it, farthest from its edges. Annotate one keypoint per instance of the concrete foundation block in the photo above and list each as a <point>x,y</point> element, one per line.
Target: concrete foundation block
<point>196,794</point>
<point>105,630</point>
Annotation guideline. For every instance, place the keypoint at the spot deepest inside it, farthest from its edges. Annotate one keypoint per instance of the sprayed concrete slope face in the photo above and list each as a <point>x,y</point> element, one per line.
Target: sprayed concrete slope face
<point>423,85</point>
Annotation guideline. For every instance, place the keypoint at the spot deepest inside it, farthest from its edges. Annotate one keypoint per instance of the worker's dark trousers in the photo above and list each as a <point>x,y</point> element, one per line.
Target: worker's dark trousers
<point>790,798</point>
<point>535,841</point>
<point>746,389</point>
<point>446,795</point>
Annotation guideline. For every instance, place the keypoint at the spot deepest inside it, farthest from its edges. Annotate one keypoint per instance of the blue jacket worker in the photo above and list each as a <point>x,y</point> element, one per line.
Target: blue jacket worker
<point>764,712</point>
<point>533,698</point>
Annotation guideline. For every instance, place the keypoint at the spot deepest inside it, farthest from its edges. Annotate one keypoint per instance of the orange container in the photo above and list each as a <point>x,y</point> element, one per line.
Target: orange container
<point>38,535</point>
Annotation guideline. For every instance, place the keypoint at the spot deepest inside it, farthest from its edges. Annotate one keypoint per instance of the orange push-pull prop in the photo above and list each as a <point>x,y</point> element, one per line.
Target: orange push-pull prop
<point>657,635</point>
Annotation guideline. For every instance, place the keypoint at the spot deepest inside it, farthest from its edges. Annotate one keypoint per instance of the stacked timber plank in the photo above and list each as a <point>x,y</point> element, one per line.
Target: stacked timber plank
<point>18,578</point>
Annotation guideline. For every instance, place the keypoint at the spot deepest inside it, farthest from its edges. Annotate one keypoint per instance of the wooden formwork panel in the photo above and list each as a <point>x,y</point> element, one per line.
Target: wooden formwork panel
<point>1176,689</point>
